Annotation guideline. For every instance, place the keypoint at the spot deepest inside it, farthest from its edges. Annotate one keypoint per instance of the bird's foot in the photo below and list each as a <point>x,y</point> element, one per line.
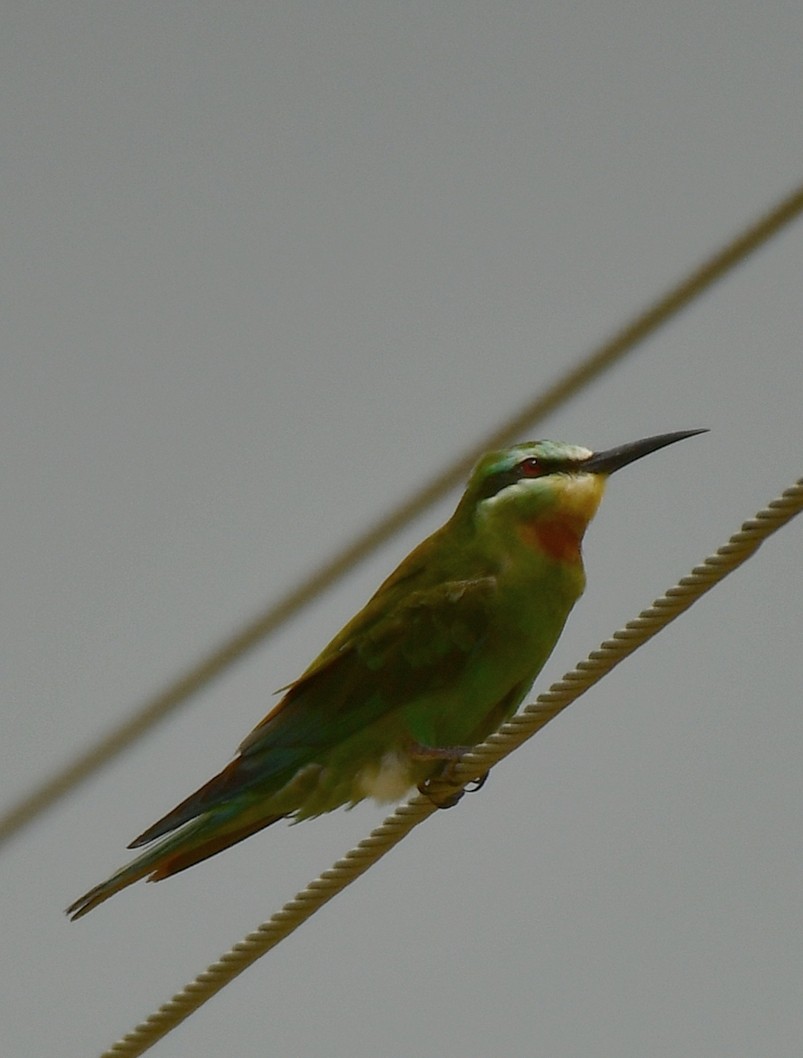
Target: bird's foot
<point>444,789</point>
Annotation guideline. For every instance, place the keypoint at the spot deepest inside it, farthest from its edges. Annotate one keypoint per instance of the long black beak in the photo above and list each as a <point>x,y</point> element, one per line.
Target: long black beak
<point>616,458</point>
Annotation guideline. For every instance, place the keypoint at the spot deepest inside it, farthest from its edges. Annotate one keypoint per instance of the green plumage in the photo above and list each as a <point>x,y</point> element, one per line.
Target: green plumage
<point>442,654</point>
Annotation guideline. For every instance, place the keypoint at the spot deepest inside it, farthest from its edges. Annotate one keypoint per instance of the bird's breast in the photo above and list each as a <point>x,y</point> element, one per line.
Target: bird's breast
<point>558,532</point>
<point>558,538</point>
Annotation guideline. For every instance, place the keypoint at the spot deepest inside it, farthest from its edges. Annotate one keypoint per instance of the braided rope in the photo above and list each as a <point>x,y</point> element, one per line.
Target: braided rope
<point>524,725</point>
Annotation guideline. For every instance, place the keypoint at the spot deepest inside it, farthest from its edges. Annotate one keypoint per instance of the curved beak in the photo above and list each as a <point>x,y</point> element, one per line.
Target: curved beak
<point>615,458</point>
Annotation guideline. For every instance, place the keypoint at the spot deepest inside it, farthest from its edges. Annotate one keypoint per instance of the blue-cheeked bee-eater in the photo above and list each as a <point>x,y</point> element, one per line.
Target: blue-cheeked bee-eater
<point>440,656</point>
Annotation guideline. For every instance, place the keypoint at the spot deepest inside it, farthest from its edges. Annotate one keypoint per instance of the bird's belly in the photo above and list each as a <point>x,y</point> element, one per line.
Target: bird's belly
<point>387,779</point>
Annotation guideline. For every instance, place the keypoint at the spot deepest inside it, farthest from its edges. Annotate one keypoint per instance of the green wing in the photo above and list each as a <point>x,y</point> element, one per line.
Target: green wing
<point>419,645</point>
<point>388,656</point>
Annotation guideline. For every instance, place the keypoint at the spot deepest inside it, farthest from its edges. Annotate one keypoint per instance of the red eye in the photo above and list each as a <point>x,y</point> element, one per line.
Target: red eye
<point>530,468</point>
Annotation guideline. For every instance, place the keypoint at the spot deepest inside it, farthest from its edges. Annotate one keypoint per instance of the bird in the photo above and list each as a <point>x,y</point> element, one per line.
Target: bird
<point>440,656</point>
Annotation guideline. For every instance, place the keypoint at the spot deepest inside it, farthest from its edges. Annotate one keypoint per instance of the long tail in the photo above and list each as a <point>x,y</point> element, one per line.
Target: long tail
<point>195,841</point>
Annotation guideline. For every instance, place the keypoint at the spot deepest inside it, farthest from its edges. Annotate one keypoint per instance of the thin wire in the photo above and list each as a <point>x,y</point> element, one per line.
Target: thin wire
<point>264,624</point>
<point>510,736</point>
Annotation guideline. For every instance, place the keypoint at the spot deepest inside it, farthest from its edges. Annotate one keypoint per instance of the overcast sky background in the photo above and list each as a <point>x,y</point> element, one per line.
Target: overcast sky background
<point>266,268</point>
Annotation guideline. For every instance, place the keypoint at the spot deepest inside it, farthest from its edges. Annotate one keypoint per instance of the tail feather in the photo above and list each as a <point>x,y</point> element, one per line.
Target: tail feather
<point>182,859</point>
<point>243,776</point>
<point>193,806</point>
<point>195,842</point>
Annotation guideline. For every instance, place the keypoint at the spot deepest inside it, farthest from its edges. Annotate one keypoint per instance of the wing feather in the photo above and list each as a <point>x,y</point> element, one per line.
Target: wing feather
<point>387,661</point>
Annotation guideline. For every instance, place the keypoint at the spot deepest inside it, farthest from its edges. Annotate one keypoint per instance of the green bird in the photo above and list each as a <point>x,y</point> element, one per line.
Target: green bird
<point>439,657</point>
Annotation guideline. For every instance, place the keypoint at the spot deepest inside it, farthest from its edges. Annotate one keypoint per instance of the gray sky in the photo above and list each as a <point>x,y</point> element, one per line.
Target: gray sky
<point>266,267</point>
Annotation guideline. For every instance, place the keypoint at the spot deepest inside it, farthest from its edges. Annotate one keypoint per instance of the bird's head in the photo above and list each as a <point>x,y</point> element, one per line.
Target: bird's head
<point>547,491</point>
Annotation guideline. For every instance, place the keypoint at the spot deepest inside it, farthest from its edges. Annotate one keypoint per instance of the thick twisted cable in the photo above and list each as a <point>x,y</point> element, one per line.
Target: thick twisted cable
<point>692,286</point>
<point>509,737</point>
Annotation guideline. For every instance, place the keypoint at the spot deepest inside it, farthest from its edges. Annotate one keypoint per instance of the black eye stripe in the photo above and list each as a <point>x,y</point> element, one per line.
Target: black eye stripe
<point>503,478</point>
<point>496,482</point>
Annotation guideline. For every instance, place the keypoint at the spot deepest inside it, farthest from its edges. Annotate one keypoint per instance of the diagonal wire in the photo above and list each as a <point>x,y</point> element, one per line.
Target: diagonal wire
<point>264,624</point>
<point>510,736</point>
